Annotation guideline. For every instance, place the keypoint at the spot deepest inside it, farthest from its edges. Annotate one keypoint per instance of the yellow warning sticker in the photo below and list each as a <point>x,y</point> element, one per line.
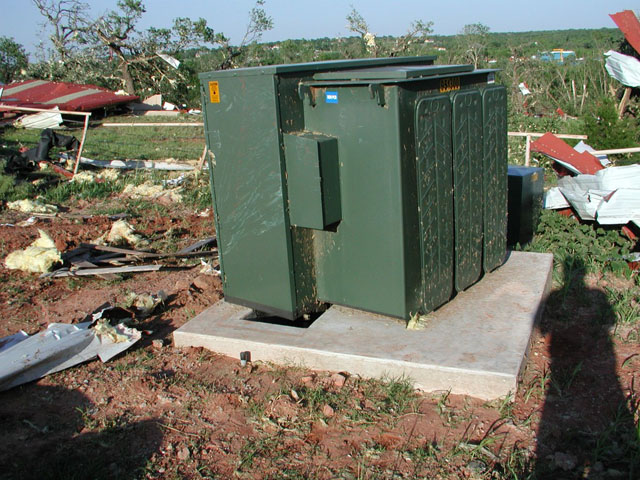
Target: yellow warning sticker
<point>449,84</point>
<point>214,92</point>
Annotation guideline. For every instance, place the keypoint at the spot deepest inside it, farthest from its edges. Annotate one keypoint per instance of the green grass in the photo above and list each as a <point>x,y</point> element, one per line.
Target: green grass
<point>65,191</point>
<point>572,243</point>
<point>115,143</point>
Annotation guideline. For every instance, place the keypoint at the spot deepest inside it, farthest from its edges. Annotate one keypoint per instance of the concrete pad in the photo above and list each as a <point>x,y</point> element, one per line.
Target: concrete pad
<point>474,345</point>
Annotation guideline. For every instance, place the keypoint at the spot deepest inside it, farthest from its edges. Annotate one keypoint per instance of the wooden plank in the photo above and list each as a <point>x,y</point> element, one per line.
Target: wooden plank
<point>623,103</point>
<point>81,147</point>
<point>537,134</point>
<point>616,151</point>
<point>102,271</point>
<point>198,244</point>
<point>124,251</point>
<point>115,251</point>
<point>151,124</point>
<point>29,109</point>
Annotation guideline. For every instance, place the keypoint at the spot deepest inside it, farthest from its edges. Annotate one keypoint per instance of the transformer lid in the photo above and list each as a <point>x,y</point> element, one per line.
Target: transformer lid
<point>395,72</point>
<point>314,67</point>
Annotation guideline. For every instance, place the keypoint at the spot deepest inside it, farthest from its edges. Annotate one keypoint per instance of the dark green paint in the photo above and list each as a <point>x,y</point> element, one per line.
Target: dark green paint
<point>494,104</point>
<point>395,72</point>
<point>312,180</point>
<point>378,201</point>
<point>435,199</point>
<point>302,69</point>
<point>467,187</point>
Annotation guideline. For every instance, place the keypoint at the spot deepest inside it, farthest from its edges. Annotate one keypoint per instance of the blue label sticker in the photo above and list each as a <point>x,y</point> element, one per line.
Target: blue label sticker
<point>331,97</point>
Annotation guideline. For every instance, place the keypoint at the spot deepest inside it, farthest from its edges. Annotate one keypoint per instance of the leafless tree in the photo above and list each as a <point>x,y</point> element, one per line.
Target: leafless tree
<point>66,18</point>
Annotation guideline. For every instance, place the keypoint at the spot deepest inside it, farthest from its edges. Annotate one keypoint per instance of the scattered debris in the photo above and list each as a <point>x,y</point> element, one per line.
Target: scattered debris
<point>624,68</point>
<point>39,257</point>
<point>134,164</point>
<point>209,269</point>
<point>145,303</point>
<point>245,357</point>
<point>59,347</point>
<point>148,105</point>
<point>628,24</point>
<point>88,177</point>
<point>417,322</point>
<point>611,196</point>
<point>31,206</point>
<point>121,233</point>
<point>102,271</point>
<point>104,260</point>
<point>174,182</point>
<point>205,242</point>
<point>40,120</point>
<point>583,147</point>
<point>174,62</point>
<point>11,340</point>
<point>554,200</point>
<point>571,160</point>
<point>28,159</point>
<point>66,96</point>
<point>153,124</point>
<point>524,89</point>
<point>150,191</point>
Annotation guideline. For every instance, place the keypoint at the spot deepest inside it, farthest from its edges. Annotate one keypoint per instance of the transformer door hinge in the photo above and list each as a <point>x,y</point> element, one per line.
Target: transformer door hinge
<point>305,91</point>
<point>376,91</point>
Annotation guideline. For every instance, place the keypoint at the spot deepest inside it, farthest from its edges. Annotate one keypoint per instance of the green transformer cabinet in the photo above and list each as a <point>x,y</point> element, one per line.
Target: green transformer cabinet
<point>378,184</point>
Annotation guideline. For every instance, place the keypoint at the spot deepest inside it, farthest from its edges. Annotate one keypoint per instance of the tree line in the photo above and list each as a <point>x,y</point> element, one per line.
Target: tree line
<point>112,50</point>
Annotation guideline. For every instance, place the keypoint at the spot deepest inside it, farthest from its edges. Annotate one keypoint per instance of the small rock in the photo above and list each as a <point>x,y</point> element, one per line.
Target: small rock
<point>203,282</point>
<point>477,466</point>
<point>182,284</point>
<point>564,461</point>
<point>307,380</point>
<point>338,379</point>
<point>158,343</point>
<point>184,453</point>
<point>613,473</point>
<point>327,411</point>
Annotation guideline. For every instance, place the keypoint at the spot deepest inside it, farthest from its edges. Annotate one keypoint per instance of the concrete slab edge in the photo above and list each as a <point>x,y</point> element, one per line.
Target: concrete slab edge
<point>430,378</point>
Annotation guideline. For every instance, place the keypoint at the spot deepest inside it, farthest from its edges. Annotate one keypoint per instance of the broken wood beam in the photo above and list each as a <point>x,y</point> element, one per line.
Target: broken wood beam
<point>102,271</point>
<point>198,244</point>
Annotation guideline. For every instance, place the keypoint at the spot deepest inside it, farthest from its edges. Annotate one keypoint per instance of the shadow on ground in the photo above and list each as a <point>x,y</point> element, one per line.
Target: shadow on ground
<point>49,432</point>
<point>587,429</point>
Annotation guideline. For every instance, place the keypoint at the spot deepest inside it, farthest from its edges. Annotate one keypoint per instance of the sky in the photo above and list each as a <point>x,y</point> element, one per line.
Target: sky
<point>20,20</point>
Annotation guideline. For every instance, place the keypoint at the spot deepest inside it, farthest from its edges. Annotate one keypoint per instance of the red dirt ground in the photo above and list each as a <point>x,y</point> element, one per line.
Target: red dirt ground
<point>160,412</point>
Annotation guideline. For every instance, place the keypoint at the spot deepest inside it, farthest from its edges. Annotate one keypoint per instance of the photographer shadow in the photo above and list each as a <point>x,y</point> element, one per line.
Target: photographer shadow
<point>587,428</point>
<point>50,432</point>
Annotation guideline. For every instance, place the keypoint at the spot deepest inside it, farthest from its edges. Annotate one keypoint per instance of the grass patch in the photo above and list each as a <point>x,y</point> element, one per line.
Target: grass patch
<point>597,248</point>
<point>66,191</point>
<point>115,143</point>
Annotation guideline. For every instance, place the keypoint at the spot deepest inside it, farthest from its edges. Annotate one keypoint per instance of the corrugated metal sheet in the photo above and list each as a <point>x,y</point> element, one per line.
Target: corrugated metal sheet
<point>628,24</point>
<point>561,152</point>
<point>66,96</point>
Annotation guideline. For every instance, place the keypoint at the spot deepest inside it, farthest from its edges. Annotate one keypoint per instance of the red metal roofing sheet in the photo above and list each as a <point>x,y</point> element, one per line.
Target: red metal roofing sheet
<point>66,96</point>
<point>628,24</point>
<point>553,147</point>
